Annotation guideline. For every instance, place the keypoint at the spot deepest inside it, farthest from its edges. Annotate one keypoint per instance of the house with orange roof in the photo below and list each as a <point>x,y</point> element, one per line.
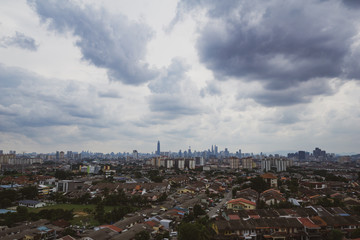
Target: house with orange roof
<point>272,196</point>
<point>311,229</point>
<point>270,179</point>
<point>111,227</point>
<point>240,203</point>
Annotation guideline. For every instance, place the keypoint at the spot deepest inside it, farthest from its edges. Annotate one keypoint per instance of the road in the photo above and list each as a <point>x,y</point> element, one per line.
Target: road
<point>226,198</point>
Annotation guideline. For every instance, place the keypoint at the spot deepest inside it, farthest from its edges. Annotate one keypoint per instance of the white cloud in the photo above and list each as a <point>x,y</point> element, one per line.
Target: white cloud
<point>177,86</point>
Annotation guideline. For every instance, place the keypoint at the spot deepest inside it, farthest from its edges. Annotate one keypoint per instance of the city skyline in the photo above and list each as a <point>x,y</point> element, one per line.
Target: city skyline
<point>214,150</point>
<point>118,76</point>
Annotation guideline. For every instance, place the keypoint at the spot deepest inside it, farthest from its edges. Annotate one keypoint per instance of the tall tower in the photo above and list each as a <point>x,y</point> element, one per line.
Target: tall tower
<point>158,148</point>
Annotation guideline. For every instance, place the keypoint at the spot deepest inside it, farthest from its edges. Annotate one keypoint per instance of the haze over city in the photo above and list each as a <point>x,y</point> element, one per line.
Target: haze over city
<point>114,76</point>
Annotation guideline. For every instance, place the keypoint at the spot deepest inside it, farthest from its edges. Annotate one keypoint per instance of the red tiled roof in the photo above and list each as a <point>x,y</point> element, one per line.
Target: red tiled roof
<point>308,223</point>
<point>242,200</point>
<point>268,175</point>
<point>112,227</point>
<point>272,190</point>
<point>234,217</point>
<point>151,223</point>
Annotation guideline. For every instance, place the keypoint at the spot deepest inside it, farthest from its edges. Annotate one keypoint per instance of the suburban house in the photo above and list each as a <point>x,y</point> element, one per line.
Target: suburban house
<point>31,203</point>
<point>270,179</point>
<point>240,203</point>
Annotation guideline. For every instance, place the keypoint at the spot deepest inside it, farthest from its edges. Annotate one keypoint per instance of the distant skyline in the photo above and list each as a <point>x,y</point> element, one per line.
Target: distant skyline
<point>116,75</point>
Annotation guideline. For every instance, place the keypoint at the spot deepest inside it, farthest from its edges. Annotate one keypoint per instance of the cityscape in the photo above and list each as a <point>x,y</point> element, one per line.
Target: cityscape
<point>212,194</point>
<point>179,120</point>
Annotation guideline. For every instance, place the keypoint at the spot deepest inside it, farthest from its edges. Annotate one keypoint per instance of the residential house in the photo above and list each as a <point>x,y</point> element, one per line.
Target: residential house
<point>31,203</point>
<point>270,179</point>
<point>240,203</point>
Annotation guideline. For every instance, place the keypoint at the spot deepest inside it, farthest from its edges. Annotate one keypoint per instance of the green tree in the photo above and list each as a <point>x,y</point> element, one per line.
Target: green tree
<point>62,175</point>
<point>259,184</point>
<point>22,213</point>
<point>143,235</point>
<point>163,197</point>
<point>335,235</point>
<point>30,192</point>
<point>69,231</point>
<point>100,213</point>
<point>193,231</point>
<point>356,233</point>
<point>7,197</point>
<point>198,210</point>
<point>138,175</point>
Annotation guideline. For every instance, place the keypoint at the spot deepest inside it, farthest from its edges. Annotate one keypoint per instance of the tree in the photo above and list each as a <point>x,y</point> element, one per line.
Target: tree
<point>100,212</point>
<point>258,184</point>
<point>7,197</point>
<point>138,175</point>
<point>261,204</point>
<point>356,233</point>
<point>143,235</point>
<point>62,175</point>
<point>69,231</point>
<point>198,210</point>
<point>163,197</point>
<point>335,235</point>
<point>22,213</point>
<point>193,231</point>
<point>30,192</point>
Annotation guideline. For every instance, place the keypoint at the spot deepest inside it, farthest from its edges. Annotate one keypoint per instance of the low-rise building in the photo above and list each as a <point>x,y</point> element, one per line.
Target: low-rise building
<point>240,203</point>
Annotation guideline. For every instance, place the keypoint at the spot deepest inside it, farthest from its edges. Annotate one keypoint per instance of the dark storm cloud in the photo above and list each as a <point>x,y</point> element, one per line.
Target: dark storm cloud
<point>352,3</point>
<point>19,40</point>
<point>111,42</point>
<point>303,93</point>
<point>29,102</point>
<point>281,44</point>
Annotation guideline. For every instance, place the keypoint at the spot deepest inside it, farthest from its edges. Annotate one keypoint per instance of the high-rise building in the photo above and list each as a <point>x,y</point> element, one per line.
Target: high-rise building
<point>318,153</point>
<point>135,154</point>
<point>234,163</point>
<point>278,164</point>
<point>69,155</point>
<point>265,165</point>
<point>181,164</point>
<point>226,152</point>
<point>158,148</point>
<point>57,155</point>
<point>301,155</point>
<point>247,163</point>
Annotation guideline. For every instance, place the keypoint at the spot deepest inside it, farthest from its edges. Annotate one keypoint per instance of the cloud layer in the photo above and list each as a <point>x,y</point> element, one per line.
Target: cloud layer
<point>111,42</point>
<point>120,75</point>
<point>281,44</point>
<point>19,40</point>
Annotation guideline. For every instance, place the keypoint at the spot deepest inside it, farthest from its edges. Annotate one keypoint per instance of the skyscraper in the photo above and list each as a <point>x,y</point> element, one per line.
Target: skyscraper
<point>301,155</point>
<point>158,148</point>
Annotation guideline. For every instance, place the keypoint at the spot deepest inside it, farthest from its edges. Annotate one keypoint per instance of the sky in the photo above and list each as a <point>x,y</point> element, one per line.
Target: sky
<point>118,75</point>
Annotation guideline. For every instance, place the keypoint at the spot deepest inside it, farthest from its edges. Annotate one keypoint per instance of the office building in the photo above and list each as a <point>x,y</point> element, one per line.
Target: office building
<point>158,148</point>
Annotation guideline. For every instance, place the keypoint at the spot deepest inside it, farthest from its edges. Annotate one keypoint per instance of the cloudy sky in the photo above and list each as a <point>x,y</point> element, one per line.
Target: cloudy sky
<point>261,76</point>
